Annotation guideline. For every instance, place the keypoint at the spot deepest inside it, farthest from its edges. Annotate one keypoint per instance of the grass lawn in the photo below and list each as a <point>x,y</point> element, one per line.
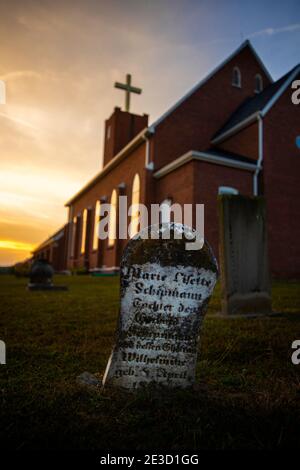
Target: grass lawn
<point>247,393</point>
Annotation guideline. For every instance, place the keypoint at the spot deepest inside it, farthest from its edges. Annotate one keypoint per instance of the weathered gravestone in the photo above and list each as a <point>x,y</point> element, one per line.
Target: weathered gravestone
<point>243,255</point>
<point>165,291</point>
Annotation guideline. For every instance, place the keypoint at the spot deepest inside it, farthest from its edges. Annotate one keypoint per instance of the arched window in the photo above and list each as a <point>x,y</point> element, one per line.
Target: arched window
<point>258,83</point>
<point>165,213</point>
<point>112,228</point>
<point>83,236</point>
<point>236,77</point>
<point>227,190</point>
<point>135,200</point>
<point>96,225</point>
<point>74,223</point>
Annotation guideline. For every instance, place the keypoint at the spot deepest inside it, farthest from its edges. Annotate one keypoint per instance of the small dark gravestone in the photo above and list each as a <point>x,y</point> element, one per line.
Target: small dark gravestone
<point>244,256</point>
<point>165,290</point>
<point>41,276</point>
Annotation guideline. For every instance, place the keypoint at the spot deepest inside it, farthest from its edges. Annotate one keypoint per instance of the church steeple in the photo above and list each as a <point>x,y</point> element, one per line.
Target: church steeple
<point>120,129</point>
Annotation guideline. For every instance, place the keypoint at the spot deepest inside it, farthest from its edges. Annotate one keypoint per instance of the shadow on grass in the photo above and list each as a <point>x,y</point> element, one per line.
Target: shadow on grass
<point>248,392</point>
<point>173,420</point>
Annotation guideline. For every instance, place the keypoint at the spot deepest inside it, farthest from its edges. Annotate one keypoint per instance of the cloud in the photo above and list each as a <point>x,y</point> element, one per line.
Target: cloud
<point>16,245</point>
<point>271,31</point>
<point>263,32</point>
<point>17,74</point>
<point>19,121</point>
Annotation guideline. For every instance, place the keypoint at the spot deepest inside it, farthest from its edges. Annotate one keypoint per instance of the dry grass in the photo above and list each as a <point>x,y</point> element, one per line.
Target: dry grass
<point>247,393</point>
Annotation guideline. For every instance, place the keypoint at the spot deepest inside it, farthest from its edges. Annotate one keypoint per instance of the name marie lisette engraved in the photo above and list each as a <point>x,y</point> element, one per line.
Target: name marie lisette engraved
<point>161,313</point>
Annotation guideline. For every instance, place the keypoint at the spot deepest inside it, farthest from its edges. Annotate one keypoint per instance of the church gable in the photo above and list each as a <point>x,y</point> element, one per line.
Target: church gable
<point>248,111</point>
<point>195,120</point>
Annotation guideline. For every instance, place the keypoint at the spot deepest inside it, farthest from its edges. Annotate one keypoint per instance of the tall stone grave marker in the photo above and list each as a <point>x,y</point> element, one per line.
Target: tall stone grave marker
<point>165,291</point>
<point>243,255</point>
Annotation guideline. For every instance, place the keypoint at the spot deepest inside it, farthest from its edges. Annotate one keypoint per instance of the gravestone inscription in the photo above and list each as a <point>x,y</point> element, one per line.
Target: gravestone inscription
<point>165,291</point>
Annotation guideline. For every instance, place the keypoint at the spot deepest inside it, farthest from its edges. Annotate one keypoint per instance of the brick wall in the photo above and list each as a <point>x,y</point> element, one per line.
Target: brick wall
<point>282,185</point>
<point>124,172</point>
<point>198,182</point>
<point>243,143</point>
<point>120,129</point>
<point>198,118</point>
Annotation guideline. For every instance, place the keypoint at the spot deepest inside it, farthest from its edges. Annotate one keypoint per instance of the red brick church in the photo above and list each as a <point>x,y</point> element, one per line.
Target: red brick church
<point>236,129</point>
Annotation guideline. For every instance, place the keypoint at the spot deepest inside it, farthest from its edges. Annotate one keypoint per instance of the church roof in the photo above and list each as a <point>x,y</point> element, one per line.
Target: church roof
<point>256,104</point>
<point>136,141</point>
<point>229,155</point>
<point>214,156</point>
<point>245,44</point>
<point>53,238</point>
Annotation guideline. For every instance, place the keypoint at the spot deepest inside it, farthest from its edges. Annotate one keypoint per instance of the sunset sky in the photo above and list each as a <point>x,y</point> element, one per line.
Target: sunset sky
<point>59,60</point>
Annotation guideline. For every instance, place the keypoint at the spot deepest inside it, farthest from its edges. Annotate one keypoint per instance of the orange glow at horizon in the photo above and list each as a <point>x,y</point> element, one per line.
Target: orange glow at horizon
<point>14,250</point>
<point>16,246</point>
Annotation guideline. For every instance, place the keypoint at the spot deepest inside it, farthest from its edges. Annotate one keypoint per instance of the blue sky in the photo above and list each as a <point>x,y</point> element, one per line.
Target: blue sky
<point>59,60</point>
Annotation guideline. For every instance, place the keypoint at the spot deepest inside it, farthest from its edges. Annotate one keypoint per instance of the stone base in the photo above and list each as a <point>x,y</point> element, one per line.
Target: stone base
<point>245,315</point>
<point>88,379</point>
<point>37,287</point>
<point>256,303</point>
<point>104,272</point>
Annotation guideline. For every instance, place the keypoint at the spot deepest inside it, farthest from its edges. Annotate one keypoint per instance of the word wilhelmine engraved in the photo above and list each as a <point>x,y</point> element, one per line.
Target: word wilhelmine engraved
<point>164,294</point>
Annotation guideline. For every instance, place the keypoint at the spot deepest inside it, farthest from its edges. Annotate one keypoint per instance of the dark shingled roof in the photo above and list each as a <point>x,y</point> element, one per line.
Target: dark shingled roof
<point>253,104</point>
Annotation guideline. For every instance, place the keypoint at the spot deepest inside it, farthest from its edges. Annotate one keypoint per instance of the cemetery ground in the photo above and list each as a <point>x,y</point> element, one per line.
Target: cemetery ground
<point>247,393</point>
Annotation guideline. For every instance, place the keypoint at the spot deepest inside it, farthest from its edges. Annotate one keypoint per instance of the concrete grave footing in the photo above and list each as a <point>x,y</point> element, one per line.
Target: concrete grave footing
<point>244,315</point>
<point>46,288</point>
